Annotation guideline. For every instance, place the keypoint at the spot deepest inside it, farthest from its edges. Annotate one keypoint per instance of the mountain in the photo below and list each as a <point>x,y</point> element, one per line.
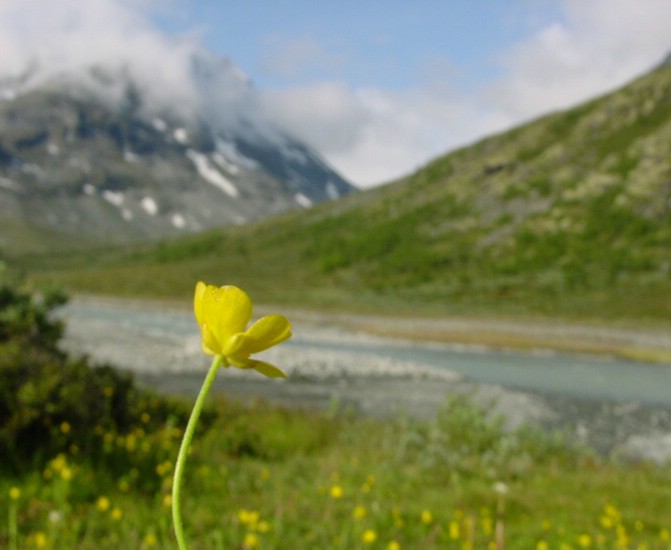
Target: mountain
<point>570,213</point>
<point>96,156</point>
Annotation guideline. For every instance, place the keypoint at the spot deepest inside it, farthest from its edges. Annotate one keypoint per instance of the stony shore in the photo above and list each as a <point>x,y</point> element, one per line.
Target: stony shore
<point>325,378</point>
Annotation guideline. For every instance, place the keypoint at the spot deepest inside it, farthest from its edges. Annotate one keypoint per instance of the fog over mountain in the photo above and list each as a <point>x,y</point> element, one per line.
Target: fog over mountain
<point>129,134</point>
<point>101,46</point>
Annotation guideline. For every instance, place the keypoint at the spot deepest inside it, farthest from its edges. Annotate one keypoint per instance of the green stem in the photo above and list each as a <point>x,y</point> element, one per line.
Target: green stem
<point>184,451</point>
<point>13,531</point>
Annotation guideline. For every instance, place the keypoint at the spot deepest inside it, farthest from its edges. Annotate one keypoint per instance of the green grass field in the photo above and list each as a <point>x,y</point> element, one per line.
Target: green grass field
<point>87,462</point>
<point>264,477</point>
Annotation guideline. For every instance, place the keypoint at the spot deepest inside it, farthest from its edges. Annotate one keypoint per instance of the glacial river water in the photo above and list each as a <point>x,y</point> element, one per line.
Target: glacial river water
<point>127,330</point>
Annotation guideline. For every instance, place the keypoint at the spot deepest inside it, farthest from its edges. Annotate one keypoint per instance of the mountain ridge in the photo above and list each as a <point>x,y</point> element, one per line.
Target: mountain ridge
<point>110,168</point>
<point>569,213</point>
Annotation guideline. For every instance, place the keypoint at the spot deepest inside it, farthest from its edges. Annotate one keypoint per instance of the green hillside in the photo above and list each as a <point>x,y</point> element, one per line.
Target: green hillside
<point>569,214</point>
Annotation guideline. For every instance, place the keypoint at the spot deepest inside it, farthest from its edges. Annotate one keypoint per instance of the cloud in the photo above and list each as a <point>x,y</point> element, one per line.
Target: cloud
<point>40,41</point>
<point>598,46</point>
<point>374,135</point>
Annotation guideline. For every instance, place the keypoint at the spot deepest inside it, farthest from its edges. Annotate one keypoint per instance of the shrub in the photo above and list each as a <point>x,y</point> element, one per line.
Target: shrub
<point>52,403</point>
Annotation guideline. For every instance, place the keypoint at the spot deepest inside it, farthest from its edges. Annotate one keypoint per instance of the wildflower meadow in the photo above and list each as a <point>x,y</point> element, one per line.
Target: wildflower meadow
<point>91,460</point>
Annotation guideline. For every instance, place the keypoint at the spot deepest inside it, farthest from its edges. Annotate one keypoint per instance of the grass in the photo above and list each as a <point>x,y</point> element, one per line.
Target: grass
<point>271,478</point>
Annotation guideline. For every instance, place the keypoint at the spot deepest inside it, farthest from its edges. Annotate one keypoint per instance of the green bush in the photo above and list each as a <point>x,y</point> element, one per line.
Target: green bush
<point>51,403</point>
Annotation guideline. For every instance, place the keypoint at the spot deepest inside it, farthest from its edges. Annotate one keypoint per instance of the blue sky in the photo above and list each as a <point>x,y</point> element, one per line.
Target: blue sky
<point>378,87</point>
<point>392,44</point>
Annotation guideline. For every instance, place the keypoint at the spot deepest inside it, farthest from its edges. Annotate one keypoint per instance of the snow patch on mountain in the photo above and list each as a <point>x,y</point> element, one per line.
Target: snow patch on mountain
<point>149,205</point>
<point>178,221</point>
<point>230,152</point>
<point>211,174</point>
<point>304,201</point>
<point>113,197</point>
<point>181,136</point>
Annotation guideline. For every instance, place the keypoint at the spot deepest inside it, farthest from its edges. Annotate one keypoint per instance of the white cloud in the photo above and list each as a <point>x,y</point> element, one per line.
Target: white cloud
<point>374,135</point>
<point>39,41</point>
<point>600,45</point>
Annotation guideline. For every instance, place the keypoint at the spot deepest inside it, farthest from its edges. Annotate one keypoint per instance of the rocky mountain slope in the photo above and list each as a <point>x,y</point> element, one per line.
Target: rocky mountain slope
<point>93,160</point>
<point>569,214</point>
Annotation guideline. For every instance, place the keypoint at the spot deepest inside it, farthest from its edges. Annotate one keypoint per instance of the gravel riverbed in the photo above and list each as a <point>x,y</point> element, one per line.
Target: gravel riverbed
<point>327,368</point>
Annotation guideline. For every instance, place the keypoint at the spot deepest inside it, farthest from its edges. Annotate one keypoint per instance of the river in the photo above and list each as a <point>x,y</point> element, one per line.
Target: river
<point>609,403</point>
<point>588,376</point>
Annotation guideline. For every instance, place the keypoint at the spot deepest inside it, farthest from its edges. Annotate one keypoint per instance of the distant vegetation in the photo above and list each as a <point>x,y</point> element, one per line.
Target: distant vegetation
<point>568,215</point>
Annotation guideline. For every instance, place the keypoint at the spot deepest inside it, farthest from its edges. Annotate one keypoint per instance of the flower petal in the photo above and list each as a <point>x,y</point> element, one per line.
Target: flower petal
<point>208,342</point>
<point>265,333</point>
<point>271,371</point>
<point>198,302</point>
<point>226,311</point>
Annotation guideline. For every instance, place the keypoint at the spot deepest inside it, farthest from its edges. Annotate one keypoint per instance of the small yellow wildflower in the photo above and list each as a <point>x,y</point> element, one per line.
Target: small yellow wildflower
<point>427,517</point>
<point>398,520</point>
<point>359,512</point>
<point>584,541</point>
<point>248,517</point>
<point>665,535</point>
<point>393,545</point>
<point>369,536</point>
<point>103,504</point>
<point>262,527</point>
<point>542,545</point>
<point>65,427</point>
<point>116,514</point>
<point>223,314</point>
<point>546,525</point>
<point>455,530</point>
<point>336,492</point>
<point>251,541</point>
<point>14,493</point>
<point>150,540</point>
<point>607,522</point>
<point>66,473</point>
<point>40,539</point>
<point>370,482</point>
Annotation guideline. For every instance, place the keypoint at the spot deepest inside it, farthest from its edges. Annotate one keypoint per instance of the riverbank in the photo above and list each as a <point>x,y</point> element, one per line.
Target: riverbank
<point>329,367</point>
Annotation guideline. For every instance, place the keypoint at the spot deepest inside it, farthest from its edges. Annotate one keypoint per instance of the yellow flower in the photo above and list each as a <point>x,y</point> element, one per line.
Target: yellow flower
<point>359,512</point>
<point>103,504</point>
<point>40,539</point>
<point>223,314</point>
<point>369,536</point>
<point>584,541</point>
<point>248,517</point>
<point>393,545</point>
<point>116,514</point>
<point>251,541</point>
<point>150,540</point>
<point>427,517</point>
<point>455,530</point>
<point>14,493</point>
<point>336,492</point>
